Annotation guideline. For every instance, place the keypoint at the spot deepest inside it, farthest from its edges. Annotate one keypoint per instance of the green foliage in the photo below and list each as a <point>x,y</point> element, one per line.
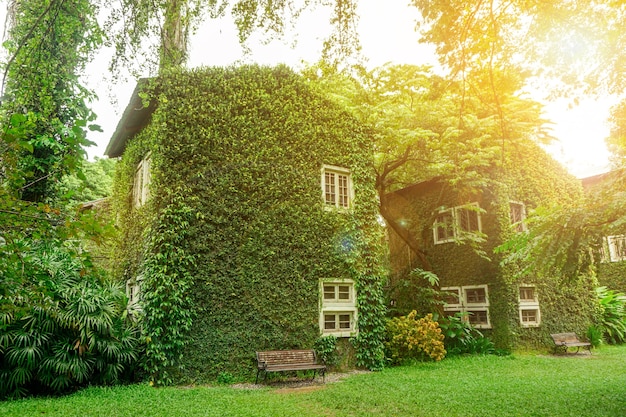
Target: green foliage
<point>48,46</point>
<point>613,314</point>
<point>414,292</point>
<point>411,338</point>
<point>94,182</point>
<point>616,142</point>
<point>425,128</point>
<point>595,336</point>
<point>159,34</point>
<point>461,337</point>
<point>62,323</point>
<point>558,240</point>
<point>166,287</point>
<point>225,378</point>
<point>62,326</point>
<point>235,238</point>
<point>572,42</point>
<point>326,350</point>
<point>449,388</point>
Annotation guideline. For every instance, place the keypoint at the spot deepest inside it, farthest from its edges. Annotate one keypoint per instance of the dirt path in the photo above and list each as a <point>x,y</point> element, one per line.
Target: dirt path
<point>290,385</point>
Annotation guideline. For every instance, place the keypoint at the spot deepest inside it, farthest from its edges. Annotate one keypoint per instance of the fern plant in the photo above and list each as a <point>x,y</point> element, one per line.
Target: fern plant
<point>613,321</point>
<point>66,327</point>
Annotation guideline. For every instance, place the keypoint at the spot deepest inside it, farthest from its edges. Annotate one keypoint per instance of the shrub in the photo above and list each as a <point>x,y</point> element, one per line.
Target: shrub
<point>462,338</point>
<point>595,335</point>
<point>613,319</point>
<point>61,325</point>
<point>411,338</point>
<point>225,378</point>
<point>326,349</point>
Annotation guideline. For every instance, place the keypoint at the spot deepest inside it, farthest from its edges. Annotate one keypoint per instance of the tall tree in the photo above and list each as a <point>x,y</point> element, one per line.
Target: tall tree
<point>425,126</point>
<point>575,46</point>
<point>166,26</point>
<point>577,42</point>
<point>95,183</point>
<point>617,135</point>
<point>49,43</point>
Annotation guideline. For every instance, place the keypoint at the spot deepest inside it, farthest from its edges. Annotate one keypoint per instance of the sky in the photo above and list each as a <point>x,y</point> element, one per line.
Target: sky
<point>387,32</point>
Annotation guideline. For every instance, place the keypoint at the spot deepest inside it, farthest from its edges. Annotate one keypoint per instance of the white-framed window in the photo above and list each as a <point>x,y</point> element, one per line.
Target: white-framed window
<point>451,224</point>
<point>444,226</point>
<point>517,214</point>
<point>529,312</point>
<point>141,182</point>
<point>133,292</point>
<point>338,311</point>
<point>337,187</point>
<point>617,248</point>
<point>472,299</point>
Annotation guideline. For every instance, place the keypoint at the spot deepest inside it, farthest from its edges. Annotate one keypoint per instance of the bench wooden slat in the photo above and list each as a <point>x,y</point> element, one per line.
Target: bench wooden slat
<point>288,360</point>
<point>293,367</point>
<point>567,340</point>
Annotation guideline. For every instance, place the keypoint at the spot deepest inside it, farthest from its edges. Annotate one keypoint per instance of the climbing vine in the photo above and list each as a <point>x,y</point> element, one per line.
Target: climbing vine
<point>235,237</point>
<point>167,283</point>
<point>528,176</point>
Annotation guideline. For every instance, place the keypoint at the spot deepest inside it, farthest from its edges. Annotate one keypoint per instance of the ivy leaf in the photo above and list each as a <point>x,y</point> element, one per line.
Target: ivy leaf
<point>81,175</point>
<point>27,146</point>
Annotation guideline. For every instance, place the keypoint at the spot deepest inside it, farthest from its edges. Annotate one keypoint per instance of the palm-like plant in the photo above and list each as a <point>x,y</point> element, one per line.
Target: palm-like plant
<point>613,322</point>
<point>67,327</point>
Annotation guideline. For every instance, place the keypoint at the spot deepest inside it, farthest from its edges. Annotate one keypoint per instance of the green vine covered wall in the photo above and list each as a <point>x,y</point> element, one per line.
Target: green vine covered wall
<point>613,275</point>
<point>528,176</point>
<point>235,236</point>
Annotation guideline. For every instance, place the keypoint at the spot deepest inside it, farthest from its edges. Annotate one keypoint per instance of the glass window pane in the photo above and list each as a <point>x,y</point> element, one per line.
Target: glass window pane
<point>329,322</point>
<point>329,292</point>
<point>478,317</point>
<point>344,292</point>
<point>529,316</point>
<point>444,226</point>
<point>475,295</point>
<point>343,190</point>
<point>468,220</point>
<point>451,297</point>
<point>517,216</point>
<point>344,321</point>
<point>329,188</point>
<point>527,293</point>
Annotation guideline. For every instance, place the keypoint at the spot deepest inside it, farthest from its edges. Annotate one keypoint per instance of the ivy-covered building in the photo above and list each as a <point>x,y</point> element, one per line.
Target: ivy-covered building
<point>458,228</point>
<point>248,221</point>
<point>611,266</point>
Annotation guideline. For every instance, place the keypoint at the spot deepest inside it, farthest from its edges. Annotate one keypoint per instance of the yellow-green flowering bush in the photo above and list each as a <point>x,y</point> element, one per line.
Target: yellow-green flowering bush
<point>409,337</point>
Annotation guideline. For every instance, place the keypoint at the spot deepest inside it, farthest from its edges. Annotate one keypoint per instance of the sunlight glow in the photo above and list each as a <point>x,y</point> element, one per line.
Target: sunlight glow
<point>387,35</point>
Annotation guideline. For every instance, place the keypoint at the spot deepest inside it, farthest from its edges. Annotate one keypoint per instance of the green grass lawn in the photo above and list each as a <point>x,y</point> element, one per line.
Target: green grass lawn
<point>481,386</point>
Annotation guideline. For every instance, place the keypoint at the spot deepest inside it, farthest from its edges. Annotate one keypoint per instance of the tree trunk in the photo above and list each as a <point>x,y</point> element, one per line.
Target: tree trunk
<point>174,35</point>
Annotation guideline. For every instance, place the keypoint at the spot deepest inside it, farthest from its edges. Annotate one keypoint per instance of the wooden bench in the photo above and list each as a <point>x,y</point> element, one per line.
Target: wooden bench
<point>567,340</point>
<point>288,360</point>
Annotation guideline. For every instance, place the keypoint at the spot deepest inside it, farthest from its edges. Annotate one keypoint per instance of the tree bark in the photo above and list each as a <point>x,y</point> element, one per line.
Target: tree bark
<point>174,35</point>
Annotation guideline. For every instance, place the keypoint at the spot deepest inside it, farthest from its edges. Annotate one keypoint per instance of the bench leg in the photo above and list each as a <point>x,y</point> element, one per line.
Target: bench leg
<point>256,381</point>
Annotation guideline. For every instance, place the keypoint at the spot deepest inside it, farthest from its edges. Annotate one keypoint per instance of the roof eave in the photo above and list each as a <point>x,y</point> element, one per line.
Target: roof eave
<point>134,119</point>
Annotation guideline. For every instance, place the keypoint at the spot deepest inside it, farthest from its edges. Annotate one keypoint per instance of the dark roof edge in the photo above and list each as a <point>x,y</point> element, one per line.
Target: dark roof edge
<point>418,187</point>
<point>134,118</point>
